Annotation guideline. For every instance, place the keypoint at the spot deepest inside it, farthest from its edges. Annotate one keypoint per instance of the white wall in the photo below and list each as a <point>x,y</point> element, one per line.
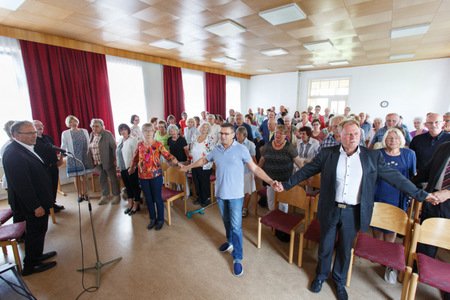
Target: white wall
<point>272,90</point>
<point>412,88</point>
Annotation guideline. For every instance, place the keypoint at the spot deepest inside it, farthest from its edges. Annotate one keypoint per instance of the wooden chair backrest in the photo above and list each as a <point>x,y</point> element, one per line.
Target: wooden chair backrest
<point>173,175</point>
<point>296,196</point>
<point>391,218</point>
<point>164,166</point>
<point>433,231</point>
<point>314,203</point>
<point>314,184</point>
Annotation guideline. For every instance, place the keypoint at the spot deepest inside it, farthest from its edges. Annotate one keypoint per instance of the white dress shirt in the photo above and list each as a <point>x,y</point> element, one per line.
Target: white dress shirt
<point>349,174</point>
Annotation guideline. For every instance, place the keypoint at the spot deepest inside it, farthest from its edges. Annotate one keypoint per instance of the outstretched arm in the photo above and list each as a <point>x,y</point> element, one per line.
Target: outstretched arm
<point>198,163</point>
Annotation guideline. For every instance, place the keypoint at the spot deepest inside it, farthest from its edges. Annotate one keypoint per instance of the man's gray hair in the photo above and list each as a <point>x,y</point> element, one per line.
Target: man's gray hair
<point>211,116</point>
<point>242,130</point>
<point>7,127</point>
<point>17,124</point>
<point>99,121</point>
<point>338,118</point>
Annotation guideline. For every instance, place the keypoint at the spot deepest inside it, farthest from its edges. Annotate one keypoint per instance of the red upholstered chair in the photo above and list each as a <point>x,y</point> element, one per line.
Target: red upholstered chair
<point>392,255</point>
<point>5,215</point>
<point>435,232</point>
<point>173,176</point>
<point>283,222</point>
<point>9,234</point>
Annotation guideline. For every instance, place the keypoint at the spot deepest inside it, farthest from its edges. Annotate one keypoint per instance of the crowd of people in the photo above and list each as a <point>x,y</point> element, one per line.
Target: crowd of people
<point>278,148</point>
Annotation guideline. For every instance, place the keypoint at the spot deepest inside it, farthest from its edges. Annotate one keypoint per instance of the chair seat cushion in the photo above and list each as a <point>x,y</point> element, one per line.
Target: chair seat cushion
<point>12,231</point>
<point>434,272</point>
<point>281,221</point>
<point>313,232</point>
<point>189,175</point>
<point>385,253</point>
<point>212,178</point>
<point>5,215</point>
<point>263,192</point>
<point>167,193</point>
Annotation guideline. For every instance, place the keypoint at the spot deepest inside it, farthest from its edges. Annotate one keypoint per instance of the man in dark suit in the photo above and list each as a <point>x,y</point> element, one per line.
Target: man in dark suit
<point>347,208</point>
<point>29,194</point>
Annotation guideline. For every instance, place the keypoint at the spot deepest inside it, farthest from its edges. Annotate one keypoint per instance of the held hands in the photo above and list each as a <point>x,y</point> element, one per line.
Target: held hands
<point>39,212</point>
<point>183,168</point>
<point>442,196</point>
<point>433,198</point>
<point>277,186</point>
<point>131,170</point>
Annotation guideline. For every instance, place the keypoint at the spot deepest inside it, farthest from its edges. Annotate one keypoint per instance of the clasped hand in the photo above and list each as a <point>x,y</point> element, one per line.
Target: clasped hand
<point>438,197</point>
<point>277,186</point>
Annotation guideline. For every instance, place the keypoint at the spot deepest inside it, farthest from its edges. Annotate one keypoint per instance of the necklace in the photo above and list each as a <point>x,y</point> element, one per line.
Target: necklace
<point>278,145</point>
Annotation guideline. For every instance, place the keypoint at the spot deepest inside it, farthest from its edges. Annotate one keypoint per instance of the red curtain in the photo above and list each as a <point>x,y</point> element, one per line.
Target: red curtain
<point>216,94</point>
<point>173,92</point>
<point>64,82</point>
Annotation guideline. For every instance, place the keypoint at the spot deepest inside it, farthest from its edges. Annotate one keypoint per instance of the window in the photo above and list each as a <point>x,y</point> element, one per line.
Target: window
<point>126,87</point>
<point>194,92</point>
<point>331,93</point>
<point>15,100</point>
<point>233,90</point>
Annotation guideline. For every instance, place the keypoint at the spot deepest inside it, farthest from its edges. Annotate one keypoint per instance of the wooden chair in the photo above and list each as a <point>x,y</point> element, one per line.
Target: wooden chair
<point>212,180</point>
<point>173,176</point>
<point>283,222</point>
<point>9,234</point>
<point>392,255</point>
<point>415,210</point>
<point>311,231</point>
<point>434,232</point>
<point>5,215</point>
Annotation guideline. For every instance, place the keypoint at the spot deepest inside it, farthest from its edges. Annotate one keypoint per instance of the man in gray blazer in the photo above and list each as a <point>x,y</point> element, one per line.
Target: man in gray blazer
<point>345,206</point>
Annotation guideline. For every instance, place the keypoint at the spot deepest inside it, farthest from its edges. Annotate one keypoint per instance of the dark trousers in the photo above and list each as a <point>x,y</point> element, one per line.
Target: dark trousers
<point>54,175</point>
<point>152,191</point>
<point>34,239</point>
<point>346,223</point>
<point>202,183</point>
<point>131,182</point>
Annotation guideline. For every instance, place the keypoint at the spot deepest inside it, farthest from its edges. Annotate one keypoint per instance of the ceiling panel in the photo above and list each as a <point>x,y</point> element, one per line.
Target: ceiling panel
<point>359,29</point>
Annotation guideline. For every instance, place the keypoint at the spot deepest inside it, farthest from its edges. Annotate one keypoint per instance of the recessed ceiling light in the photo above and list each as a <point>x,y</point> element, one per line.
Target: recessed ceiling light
<point>322,45</point>
<point>224,60</point>
<point>226,28</point>
<point>264,70</point>
<point>11,4</point>
<point>409,31</point>
<point>305,66</point>
<point>339,63</point>
<point>283,14</point>
<point>401,56</point>
<point>166,44</point>
<point>274,52</point>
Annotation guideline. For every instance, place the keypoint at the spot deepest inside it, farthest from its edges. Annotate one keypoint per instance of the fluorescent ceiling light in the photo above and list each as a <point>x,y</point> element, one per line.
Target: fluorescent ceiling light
<point>224,60</point>
<point>409,31</point>
<point>401,56</point>
<point>322,45</point>
<point>283,14</point>
<point>166,44</point>
<point>305,66</point>
<point>339,63</point>
<point>274,52</point>
<point>11,4</point>
<point>264,70</point>
<point>226,28</point>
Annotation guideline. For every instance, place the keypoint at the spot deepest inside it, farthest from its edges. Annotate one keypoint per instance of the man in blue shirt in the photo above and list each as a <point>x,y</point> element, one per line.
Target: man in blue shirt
<point>391,121</point>
<point>229,157</point>
<point>240,122</point>
<point>366,126</point>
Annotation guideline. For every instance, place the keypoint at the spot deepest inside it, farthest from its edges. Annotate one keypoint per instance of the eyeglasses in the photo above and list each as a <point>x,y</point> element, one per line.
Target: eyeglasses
<point>434,123</point>
<point>28,133</point>
<point>226,133</point>
<point>280,133</point>
<point>147,130</point>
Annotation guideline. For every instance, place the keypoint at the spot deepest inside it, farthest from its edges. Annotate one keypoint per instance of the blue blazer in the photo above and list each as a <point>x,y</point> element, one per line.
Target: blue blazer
<point>373,166</point>
<point>29,182</point>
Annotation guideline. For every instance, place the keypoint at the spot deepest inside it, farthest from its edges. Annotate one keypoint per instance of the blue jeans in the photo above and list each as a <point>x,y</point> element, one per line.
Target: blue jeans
<point>152,191</point>
<point>231,211</point>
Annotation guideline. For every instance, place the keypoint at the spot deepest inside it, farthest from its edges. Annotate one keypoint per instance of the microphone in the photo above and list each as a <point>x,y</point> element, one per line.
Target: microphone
<point>50,146</point>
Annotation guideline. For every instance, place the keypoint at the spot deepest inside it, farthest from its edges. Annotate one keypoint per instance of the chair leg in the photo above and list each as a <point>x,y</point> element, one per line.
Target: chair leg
<point>300,250</point>
<point>52,213</point>
<point>406,279</point>
<point>256,202</point>
<point>93,182</point>
<point>258,245</point>
<point>16,255</point>
<point>185,204</point>
<point>169,219</point>
<point>413,286</point>
<point>291,247</point>
<point>350,268</point>
<point>212,192</point>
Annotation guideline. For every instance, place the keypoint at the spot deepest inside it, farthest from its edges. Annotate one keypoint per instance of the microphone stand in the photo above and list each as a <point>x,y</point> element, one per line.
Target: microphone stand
<point>98,265</point>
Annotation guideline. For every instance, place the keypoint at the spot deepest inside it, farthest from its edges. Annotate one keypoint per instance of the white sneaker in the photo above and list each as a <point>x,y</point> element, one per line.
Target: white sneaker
<point>390,276</point>
<point>244,212</point>
<point>103,200</point>
<point>115,200</point>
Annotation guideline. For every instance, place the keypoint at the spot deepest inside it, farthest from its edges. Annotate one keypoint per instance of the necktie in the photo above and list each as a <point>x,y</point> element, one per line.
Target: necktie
<point>446,181</point>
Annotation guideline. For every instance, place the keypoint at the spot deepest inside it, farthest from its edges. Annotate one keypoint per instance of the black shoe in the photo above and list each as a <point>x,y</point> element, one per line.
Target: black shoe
<point>159,226</point>
<point>85,198</point>
<point>47,255</point>
<point>316,285</point>
<point>127,211</point>
<point>198,202</point>
<point>132,212</point>
<point>341,292</point>
<point>206,203</point>
<point>446,296</point>
<point>38,268</point>
<point>80,199</point>
<point>151,225</point>
<point>57,208</point>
